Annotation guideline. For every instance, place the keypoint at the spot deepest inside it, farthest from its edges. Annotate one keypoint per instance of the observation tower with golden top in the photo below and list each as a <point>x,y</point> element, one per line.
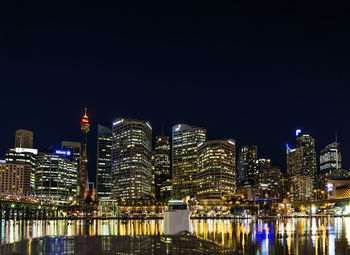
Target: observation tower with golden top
<point>85,128</point>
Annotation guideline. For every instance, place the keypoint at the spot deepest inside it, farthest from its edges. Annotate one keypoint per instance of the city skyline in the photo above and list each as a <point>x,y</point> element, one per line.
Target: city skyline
<point>93,151</point>
<point>281,161</point>
<point>257,70</point>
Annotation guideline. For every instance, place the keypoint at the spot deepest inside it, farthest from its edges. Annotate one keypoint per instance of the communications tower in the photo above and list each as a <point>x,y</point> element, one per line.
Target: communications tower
<point>85,128</point>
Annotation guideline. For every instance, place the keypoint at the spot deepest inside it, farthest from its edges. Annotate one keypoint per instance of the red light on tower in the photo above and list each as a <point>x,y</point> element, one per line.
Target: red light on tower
<point>83,120</point>
<point>85,123</point>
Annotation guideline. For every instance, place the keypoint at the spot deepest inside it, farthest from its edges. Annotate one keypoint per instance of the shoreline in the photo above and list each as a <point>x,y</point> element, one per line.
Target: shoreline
<point>192,218</point>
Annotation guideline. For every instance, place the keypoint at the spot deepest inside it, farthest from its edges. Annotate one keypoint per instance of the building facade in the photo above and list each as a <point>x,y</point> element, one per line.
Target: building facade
<point>74,147</point>
<point>185,140</point>
<point>23,139</point>
<point>247,170</point>
<point>269,179</point>
<point>131,159</point>
<point>216,169</point>
<point>104,162</point>
<point>161,165</point>
<point>330,158</point>
<point>56,176</point>
<point>75,151</point>
<point>307,143</point>
<point>294,161</point>
<point>15,179</point>
<point>24,156</point>
<point>301,188</point>
<point>301,161</point>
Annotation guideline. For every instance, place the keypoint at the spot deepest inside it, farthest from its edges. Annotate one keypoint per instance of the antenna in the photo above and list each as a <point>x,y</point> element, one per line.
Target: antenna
<point>162,128</point>
<point>336,152</point>
<point>336,136</point>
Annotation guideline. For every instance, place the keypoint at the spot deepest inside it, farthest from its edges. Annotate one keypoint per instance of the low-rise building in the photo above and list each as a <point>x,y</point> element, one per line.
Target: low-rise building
<point>301,188</point>
<point>15,179</point>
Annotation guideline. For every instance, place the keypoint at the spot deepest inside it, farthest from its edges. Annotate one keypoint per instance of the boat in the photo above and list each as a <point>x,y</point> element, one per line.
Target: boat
<point>177,218</point>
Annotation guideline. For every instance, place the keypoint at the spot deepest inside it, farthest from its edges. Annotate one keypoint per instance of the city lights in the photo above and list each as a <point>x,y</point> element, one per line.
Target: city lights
<point>62,152</point>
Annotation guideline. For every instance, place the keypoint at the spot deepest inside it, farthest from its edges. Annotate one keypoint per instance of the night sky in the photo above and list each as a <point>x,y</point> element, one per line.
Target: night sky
<point>249,71</point>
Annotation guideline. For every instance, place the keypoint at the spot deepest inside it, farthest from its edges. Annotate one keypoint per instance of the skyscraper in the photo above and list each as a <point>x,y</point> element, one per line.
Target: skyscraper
<point>307,143</point>
<point>269,179</point>
<point>330,166</point>
<point>247,165</point>
<point>216,169</point>
<point>185,139</point>
<point>162,164</point>
<point>82,179</point>
<point>131,159</point>
<point>74,149</point>
<point>330,158</point>
<point>294,161</point>
<point>104,162</point>
<point>56,175</point>
<point>302,159</point>
<point>23,139</point>
<point>301,167</point>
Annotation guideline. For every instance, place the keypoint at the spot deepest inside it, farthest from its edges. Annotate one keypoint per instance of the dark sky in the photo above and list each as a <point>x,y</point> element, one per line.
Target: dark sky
<point>246,70</point>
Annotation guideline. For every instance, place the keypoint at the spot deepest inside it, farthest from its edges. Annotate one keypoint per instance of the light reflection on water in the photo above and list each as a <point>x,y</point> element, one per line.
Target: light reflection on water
<point>288,236</point>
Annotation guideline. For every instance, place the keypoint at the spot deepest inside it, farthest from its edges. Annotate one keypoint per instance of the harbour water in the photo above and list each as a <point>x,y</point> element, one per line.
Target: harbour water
<point>215,236</point>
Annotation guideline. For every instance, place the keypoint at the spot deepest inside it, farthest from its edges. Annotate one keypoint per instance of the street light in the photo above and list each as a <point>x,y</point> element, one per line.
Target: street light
<point>315,191</point>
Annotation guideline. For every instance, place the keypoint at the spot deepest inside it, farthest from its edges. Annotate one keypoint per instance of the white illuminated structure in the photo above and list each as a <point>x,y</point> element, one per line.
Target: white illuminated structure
<point>177,218</point>
<point>20,150</point>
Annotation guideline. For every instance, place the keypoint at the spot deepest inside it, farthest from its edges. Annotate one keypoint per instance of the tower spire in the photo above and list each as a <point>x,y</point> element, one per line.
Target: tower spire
<point>336,152</point>
<point>162,128</point>
<point>85,128</point>
<point>336,136</point>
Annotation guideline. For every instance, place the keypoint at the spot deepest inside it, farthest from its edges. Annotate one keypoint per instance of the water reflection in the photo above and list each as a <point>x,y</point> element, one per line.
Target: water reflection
<point>289,236</point>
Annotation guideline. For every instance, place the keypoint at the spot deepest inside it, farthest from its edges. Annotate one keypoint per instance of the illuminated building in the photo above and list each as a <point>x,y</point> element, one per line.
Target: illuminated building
<point>294,161</point>
<point>15,179</point>
<point>307,143</point>
<point>268,176</point>
<point>262,165</point>
<point>338,188</point>
<point>74,147</point>
<point>284,186</point>
<point>249,193</point>
<point>82,177</point>
<point>162,165</point>
<point>55,175</point>
<point>330,158</point>
<point>166,189</point>
<point>185,139</point>
<point>301,161</point>
<point>247,172</point>
<point>301,188</point>
<point>153,167</point>
<point>23,139</point>
<point>24,156</point>
<point>104,162</point>
<point>216,169</point>
<point>131,159</point>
